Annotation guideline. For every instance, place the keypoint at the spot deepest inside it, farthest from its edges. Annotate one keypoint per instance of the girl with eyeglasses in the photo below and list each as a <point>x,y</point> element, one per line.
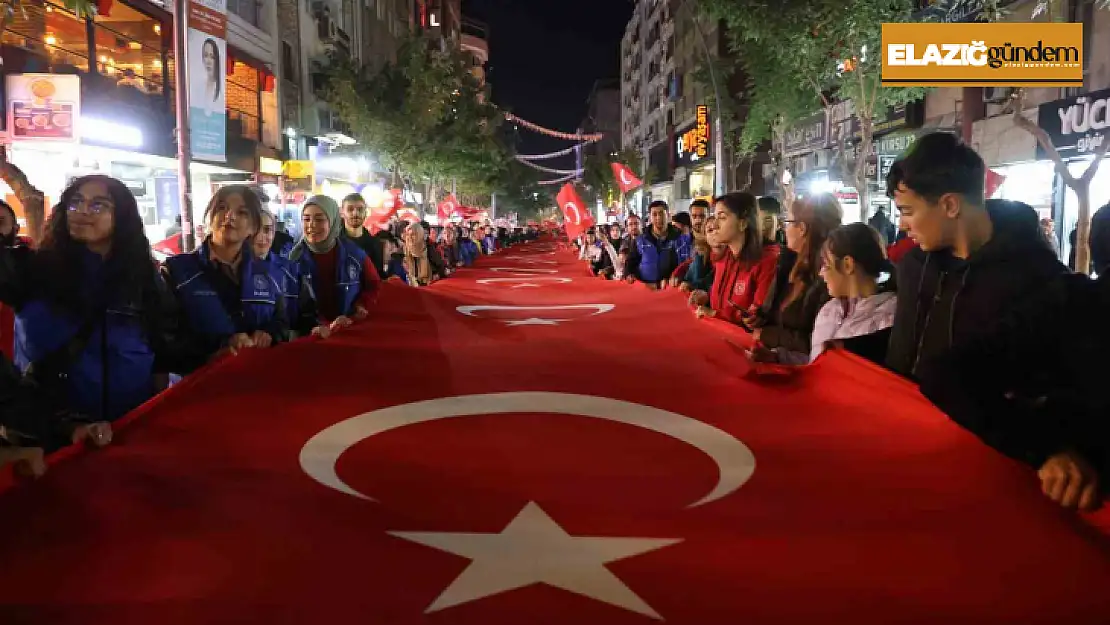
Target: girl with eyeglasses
<point>94,322</point>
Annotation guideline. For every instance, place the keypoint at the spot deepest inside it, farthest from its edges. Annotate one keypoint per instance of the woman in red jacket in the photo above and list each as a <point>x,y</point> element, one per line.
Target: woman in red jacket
<point>745,270</point>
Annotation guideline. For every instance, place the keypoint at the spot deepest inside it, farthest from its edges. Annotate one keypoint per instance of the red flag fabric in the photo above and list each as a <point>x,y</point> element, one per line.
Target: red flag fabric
<point>523,444</point>
<point>994,181</point>
<point>626,180</point>
<point>575,214</point>
<point>448,208</point>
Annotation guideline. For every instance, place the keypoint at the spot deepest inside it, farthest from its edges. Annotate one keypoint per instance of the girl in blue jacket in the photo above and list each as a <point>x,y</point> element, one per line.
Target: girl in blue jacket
<point>229,298</point>
<point>94,322</point>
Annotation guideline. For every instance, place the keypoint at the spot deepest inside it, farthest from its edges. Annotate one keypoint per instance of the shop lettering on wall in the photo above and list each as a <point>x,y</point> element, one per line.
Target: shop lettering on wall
<point>692,145</point>
<point>1078,125</point>
<point>807,135</point>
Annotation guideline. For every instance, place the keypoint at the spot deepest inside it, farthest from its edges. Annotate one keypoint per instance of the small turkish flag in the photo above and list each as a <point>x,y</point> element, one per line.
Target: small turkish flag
<point>575,214</point>
<point>448,207</point>
<point>626,180</point>
<point>994,181</point>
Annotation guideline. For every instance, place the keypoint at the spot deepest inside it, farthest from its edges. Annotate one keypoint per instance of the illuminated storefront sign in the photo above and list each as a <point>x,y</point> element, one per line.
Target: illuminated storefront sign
<point>692,144</point>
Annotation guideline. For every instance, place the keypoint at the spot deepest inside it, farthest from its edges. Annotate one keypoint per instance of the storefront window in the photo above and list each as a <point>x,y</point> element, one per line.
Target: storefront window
<point>242,101</point>
<point>129,48</point>
<point>701,183</point>
<point>1028,182</point>
<point>45,38</point>
<point>1100,196</point>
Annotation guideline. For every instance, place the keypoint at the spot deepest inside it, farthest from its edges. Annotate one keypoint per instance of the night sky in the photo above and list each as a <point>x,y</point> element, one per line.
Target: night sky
<point>545,56</point>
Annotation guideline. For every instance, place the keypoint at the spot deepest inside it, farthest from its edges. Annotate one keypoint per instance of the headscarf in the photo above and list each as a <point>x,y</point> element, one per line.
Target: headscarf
<point>335,227</point>
<point>416,261</point>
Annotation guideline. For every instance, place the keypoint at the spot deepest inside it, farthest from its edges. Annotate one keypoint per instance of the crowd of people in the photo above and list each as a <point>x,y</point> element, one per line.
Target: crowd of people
<point>93,326</point>
<point>970,300</point>
<point>966,297</point>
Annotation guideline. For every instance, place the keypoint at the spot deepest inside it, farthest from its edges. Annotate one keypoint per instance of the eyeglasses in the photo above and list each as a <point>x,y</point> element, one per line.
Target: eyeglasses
<point>95,206</point>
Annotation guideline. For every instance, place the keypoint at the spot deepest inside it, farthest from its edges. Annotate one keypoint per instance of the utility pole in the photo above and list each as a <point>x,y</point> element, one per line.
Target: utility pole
<point>184,156</point>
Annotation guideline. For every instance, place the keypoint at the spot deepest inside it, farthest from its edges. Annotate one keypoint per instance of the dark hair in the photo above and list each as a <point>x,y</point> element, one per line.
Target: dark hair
<point>129,270</point>
<point>768,204</point>
<point>939,163</point>
<point>744,207</point>
<point>702,203</point>
<point>250,201</point>
<point>1100,240</point>
<point>821,214</point>
<point>8,207</point>
<point>215,53</point>
<point>1022,222</point>
<point>864,244</point>
<point>659,204</point>
<point>683,219</point>
<point>353,197</point>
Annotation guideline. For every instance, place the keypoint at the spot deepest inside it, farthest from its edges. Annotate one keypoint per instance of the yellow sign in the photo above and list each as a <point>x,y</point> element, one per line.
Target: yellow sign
<point>299,169</point>
<point>269,166</point>
<point>1043,54</point>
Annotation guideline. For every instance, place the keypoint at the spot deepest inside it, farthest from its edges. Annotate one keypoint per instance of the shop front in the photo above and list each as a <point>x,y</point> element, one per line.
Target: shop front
<point>692,156</point>
<point>86,135</point>
<point>1078,126</point>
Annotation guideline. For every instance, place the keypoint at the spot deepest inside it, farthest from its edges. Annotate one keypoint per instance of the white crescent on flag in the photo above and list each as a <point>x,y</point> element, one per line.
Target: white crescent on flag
<point>624,178</point>
<point>572,207</point>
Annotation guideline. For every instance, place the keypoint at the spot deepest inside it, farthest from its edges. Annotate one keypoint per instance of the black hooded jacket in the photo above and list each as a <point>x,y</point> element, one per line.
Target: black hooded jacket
<point>1034,384</point>
<point>944,301</point>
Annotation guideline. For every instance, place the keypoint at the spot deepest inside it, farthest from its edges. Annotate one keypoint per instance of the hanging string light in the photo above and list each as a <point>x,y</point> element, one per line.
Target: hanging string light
<point>552,133</point>
<point>558,180</point>
<point>570,150</point>
<point>574,172</point>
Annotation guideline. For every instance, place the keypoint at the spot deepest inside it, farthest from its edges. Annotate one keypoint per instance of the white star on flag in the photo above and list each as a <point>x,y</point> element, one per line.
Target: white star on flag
<point>533,549</point>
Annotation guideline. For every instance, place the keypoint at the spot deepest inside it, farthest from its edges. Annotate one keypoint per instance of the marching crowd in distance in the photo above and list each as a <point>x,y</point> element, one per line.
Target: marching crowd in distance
<point>92,326</point>
<point>969,300</point>
<point>966,297</point>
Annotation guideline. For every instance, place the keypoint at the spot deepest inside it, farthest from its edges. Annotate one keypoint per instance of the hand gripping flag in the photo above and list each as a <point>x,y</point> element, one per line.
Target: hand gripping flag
<point>626,180</point>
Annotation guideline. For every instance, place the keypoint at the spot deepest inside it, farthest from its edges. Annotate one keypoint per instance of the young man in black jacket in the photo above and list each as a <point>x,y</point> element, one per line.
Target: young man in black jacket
<point>974,260</point>
<point>1033,387</point>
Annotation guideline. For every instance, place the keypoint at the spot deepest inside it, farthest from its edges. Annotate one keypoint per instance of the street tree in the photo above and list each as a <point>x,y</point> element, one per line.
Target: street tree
<point>425,116</point>
<point>804,55</point>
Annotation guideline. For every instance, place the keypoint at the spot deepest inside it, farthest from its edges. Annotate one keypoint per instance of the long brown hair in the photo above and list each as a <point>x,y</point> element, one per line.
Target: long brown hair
<point>745,208</point>
<point>821,214</point>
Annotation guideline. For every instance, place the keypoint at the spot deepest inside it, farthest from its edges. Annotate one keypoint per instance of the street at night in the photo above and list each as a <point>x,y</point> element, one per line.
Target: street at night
<point>609,312</point>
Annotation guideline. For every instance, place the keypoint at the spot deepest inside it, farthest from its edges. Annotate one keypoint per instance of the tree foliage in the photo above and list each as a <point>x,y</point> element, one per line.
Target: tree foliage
<point>423,115</point>
<point>802,55</point>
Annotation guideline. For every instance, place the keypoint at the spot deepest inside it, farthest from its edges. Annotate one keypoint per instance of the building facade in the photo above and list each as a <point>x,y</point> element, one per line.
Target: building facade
<point>647,90</point>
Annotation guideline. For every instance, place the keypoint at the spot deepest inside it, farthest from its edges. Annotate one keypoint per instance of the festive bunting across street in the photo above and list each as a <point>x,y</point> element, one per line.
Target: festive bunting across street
<point>553,133</point>
<point>567,151</point>
<point>558,180</point>
<point>574,172</point>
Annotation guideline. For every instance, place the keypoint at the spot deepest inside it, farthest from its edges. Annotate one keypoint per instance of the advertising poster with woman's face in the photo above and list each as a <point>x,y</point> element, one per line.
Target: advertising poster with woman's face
<point>208,79</point>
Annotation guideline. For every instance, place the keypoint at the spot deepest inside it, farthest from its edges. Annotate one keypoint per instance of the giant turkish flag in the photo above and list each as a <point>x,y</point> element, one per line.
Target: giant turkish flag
<point>520,444</point>
<point>575,214</point>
